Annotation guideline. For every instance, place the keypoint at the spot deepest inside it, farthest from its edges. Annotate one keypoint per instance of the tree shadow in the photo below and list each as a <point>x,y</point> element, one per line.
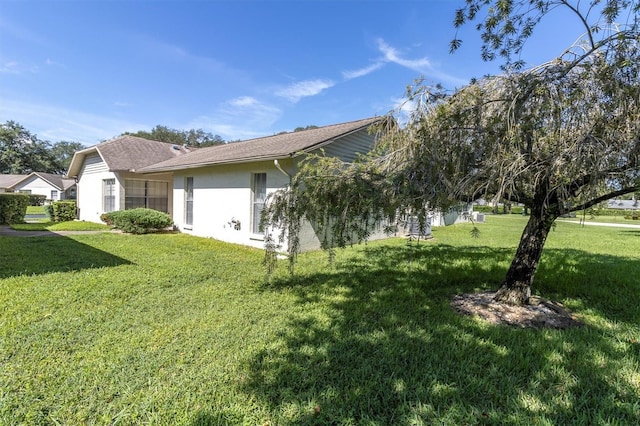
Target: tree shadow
<point>376,342</point>
<point>45,254</point>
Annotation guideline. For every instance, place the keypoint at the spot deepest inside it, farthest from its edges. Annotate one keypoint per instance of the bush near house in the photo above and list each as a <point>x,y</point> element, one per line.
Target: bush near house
<point>137,221</point>
<point>37,199</point>
<point>62,211</point>
<point>13,207</point>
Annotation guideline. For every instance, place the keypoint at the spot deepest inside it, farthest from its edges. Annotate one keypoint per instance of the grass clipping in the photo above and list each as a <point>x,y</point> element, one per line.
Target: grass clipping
<point>539,313</point>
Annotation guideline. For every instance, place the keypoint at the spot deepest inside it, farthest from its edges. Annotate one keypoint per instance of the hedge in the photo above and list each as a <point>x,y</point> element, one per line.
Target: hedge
<point>137,221</point>
<point>37,199</point>
<point>13,207</point>
<point>62,211</point>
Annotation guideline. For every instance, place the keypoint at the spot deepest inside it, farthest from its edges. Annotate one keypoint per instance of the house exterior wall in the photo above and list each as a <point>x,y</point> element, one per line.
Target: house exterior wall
<point>90,195</point>
<point>223,200</point>
<point>38,186</point>
<point>89,192</point>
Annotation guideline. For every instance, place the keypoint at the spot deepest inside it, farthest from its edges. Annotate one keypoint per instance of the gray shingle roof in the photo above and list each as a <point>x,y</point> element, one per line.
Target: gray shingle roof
<point>7,181</point>
<point>128,153</point>
<point>132,152</point>
<point>58,181</point>
<point>265,148</point>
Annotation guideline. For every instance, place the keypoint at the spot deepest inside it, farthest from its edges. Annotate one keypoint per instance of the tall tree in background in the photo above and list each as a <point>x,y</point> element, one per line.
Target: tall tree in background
<point>197,138</point>
<point>63,152</point>
<point>21,152</point>
<point>559,137</point>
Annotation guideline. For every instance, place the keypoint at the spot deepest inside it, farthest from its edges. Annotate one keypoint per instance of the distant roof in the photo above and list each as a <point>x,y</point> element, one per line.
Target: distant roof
<point>58,181</point>
<point>7,181</point>
<point>623,204</point>
<point>128,153</point>
<point>264,148</point>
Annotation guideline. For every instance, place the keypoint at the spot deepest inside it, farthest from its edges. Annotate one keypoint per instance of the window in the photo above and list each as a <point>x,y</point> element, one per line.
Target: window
<point>259,195</point>
<point>108,195</point>
<point>24,191</point>
<point>146,193</point>
<point>54,195</point>
<point>188,201</point>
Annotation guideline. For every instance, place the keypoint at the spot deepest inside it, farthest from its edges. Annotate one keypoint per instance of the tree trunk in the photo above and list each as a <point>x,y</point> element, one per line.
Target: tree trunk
<point>516,287</point>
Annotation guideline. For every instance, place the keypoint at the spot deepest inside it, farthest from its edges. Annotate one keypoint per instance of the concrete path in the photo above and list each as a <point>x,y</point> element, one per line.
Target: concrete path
<point>611,225</point>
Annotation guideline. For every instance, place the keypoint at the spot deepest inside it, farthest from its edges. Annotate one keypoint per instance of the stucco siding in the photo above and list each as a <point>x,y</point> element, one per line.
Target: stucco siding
<point>223,200</point>
<point>89,193</point>
<point>37,186</point>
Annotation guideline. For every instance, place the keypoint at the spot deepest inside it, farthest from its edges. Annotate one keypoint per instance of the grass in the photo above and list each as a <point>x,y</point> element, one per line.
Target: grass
<point>172,329</point>
<point>47,225</point>
<point>36,210</point>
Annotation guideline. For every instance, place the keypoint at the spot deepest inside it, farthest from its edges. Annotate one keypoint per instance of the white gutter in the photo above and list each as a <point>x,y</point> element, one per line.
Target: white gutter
<point>279,167</point>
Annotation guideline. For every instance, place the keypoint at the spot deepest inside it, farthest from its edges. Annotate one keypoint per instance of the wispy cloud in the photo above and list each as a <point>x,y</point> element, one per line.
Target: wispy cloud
<point>303,89</point>
<point>348,75</point>
<point>422,65</point>
<point>19,32</point>
<point>13,67</point>
<point>55,123</point>
<point>391,54</point>
<point>239,118</point>
<point>175,53</point>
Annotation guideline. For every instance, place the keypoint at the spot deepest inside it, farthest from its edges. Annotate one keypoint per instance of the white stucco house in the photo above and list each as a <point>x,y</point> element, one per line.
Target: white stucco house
<point>215,192</point>
<point>108,177</point>
<point>53,187</point>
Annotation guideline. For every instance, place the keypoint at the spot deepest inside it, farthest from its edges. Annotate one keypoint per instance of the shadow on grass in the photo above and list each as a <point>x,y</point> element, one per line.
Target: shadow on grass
<point>41,255</point>
<point>376,342</point>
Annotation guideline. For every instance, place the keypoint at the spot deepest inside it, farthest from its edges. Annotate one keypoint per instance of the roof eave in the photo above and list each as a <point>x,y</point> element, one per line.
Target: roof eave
<point>216,163</point>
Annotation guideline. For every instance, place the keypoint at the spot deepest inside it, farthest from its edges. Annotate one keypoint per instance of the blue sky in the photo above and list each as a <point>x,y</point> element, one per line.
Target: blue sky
<point>90,70</point>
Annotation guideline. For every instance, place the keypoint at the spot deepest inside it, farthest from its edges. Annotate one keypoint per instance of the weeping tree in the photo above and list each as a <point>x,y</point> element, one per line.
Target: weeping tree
<point>559,137</point>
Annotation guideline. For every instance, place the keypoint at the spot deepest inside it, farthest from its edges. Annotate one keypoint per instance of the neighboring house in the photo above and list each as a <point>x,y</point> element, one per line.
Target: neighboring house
<point>108,176</point>
<point>623,204</point>
<point>8,181</point>
<point>215,192</point>
<point>53,187</point>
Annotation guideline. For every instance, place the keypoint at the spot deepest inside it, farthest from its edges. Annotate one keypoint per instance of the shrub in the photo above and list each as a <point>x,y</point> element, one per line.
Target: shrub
<point>137,221</point>
<point>63,211</point>
<point>48,209</point>
<point>37,199</point>
<point>13,207</point>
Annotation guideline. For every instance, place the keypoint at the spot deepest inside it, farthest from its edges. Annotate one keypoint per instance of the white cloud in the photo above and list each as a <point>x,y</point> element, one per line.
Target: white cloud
<point>348,75</point>
<point>239,118</point>
<point>391,54</point>
<point>303,89</point>
<point>13,67</point>
<point>55,123</point>
<point>421,65</point>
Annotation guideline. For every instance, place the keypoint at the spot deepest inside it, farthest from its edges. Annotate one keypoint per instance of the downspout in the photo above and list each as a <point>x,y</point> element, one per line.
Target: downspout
<point>279,167</point>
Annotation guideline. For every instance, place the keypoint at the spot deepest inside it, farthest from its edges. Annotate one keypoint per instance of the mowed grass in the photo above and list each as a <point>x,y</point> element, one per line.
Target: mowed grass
<point>72,225</point>
<point>172,329</point>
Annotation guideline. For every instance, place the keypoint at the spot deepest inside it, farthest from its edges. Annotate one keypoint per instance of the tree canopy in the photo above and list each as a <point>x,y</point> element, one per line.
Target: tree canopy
<point>21,152</point>
<point>197,138</point>
<point>558,137</point>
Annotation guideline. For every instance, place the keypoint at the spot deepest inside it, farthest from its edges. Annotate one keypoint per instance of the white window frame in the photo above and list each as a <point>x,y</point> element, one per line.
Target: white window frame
<point>108,195</point>
<point>188,202</point>
<point>147,195</point>
<point>258,196</point>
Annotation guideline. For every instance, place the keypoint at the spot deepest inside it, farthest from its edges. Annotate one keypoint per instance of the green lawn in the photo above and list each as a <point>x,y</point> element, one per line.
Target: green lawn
<point>172,329</point>
<point>73,225</point>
